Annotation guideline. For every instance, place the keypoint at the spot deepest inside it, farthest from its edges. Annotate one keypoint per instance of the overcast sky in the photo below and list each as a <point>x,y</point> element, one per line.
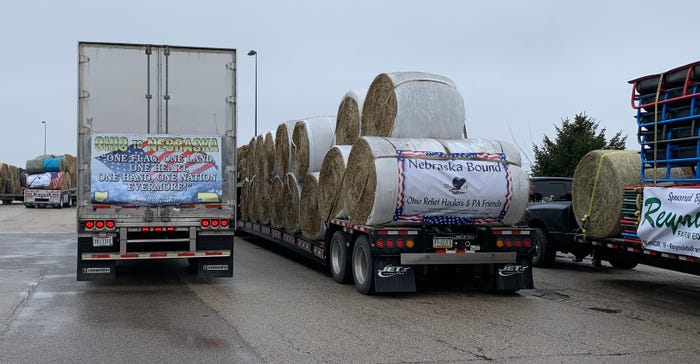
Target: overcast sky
<point>521,66</point>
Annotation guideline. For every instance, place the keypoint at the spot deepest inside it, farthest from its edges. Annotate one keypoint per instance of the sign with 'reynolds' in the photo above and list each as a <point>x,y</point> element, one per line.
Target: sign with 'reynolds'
<point>439,188</point>
<point>155,169</point>
<point>670,220</point>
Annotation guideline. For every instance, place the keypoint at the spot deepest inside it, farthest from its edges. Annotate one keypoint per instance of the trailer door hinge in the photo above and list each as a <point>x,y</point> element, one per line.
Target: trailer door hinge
<point>231,99</point>
<point>231,66</point>
<point>83,59</point>
<point>84,94</point>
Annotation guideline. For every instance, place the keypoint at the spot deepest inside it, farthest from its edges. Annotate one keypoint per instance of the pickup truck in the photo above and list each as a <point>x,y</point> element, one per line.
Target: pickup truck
<point>550,214</point>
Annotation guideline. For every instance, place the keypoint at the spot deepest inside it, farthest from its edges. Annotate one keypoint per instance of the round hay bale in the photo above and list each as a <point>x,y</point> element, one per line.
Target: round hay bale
<point>509,150</point>
<point>331,203</point>
<point>4,176</point>
<point>413,105</point>
<point>268,159</point>
<point>242,212</point>
<point>283,150</point>
<point>432,188</point>
<point>597,189</point>
<point>313,226</point>
<point>311,139</point>
<point>278,199</point>
<point>262,202</point>
<point>241,162</point>
<point>291,214</point>
<point>347,126</point>
<point>259,156</point>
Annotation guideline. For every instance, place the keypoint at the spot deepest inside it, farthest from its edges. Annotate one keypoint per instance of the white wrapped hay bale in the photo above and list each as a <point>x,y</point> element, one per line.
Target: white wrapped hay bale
<point>331,202</point>
<point>473,145</point>
<point>291,214</point>
<point>413,105</point>
<point>394,180</point>
<point>313,226</point>
<point>311,139</point>
<point>283,149</point>
<point>349,118</point>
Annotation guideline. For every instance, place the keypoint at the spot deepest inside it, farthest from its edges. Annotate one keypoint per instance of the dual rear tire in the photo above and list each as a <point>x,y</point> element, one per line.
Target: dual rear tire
<point>352,264</point>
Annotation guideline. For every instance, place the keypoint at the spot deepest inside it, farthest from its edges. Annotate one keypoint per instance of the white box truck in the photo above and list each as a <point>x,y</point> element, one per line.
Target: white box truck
<point>156,157</point>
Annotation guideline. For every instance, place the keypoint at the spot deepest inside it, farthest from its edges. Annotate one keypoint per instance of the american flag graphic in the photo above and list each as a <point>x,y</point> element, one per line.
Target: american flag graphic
<point>143,177</point>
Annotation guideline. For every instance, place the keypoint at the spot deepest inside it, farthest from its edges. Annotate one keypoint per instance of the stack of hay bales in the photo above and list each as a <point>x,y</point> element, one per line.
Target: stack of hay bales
<point>348,166</point>
<point>10,179</point>
<point>52,172</point>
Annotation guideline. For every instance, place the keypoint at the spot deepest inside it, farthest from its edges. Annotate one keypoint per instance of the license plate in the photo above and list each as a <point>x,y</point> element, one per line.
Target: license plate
<point>442,242</point>
<point>102,241</point>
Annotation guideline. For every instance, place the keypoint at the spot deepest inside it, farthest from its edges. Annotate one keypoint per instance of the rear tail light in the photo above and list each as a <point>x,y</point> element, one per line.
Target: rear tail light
<point>399,244</point>
<point>99,224</point>
<point>390,244</point>
<point>509,243</point>
<point>527,243</point>
<point>214,223</point>
<point>224,223</point>
<point>89,224</point>
<point>380,243</point>
<point>109,224</point>
<point>518,243</point>
<point>205,223</point>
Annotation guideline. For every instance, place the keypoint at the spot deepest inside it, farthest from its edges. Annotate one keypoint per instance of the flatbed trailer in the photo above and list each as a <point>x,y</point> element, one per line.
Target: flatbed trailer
<point>633,251</point>
<point>49,198</point>
<point>8,198</point>
<point>389,258</point>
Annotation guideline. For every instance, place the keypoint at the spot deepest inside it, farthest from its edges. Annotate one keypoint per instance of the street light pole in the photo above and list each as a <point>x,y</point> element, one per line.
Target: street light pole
<point>254,53</point>
<point>44,122</point>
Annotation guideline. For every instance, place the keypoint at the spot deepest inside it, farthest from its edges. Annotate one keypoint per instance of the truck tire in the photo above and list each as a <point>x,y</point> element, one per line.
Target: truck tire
<point>622,263</point>
<point>545,253</point>
<point>339,258</point>
<point>362,267</point>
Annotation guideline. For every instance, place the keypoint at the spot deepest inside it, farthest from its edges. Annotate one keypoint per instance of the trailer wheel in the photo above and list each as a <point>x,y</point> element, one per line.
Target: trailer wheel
<point>362,267</point>
<point>622,263</point>
<point>545,253</point>
<point>339,256</point>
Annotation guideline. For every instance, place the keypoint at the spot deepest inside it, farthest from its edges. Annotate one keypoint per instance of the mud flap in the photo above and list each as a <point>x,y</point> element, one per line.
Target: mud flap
<point>392,277</point>
<point>513,277</point>
<point>90,270</point>
<point>215,267</point>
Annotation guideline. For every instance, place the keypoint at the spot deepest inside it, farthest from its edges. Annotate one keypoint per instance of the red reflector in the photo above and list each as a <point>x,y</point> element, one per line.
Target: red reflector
<point>100,224</point>
<point>185,254</point>
<point>528,243</point>
<point>399,244</point>
<point>380,243</point>
<point>509,243</point>
<point>518,243</point>
<point>170,228</point>
<point>441,251</point>
<point>389,243</point>
<point>213,253</point>
<point>224,223</point>
<point>99,256</point>
<point>110,224</point>
<point>132,255</point>
<point>205,223</point>
<point>158,255</point>
<point>214,222</point>
<point>158,228</point>
<point>89,224</point>
<point>145,229</point>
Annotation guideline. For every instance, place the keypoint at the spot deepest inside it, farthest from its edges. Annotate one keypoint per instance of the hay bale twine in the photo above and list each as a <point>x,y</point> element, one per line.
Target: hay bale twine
<point>472,145</point>
<point>268,160</point>
<point>347,126</point>
<point>311,139</point>
<point>278,201</point>
<point>434,188</point>
<point>283,150</point>
<point>331,203</point>
<point>413,105</point>
<point>291,214</point>
<point>597,189</point>
<point>313,226</point>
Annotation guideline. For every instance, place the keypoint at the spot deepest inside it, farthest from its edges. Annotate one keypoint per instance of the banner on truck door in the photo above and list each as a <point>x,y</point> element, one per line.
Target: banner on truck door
<point>439,188</point>
<point>670,220</point>
<point>155,169</point>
